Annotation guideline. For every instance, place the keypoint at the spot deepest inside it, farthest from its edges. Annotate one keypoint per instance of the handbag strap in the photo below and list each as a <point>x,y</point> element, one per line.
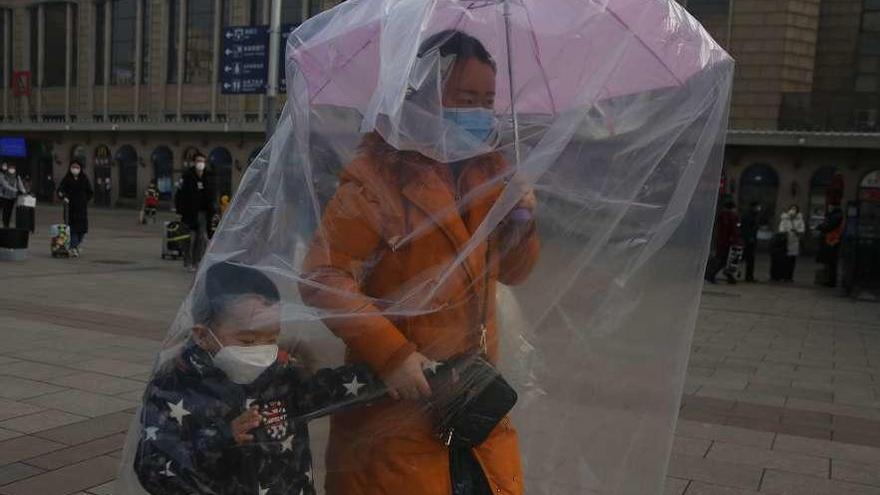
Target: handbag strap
<point>483,329</point>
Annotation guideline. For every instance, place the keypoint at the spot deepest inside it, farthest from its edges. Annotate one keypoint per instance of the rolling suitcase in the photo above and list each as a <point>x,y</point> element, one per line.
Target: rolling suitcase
<point>60,238</point>
<point>25,217</point>
<point>175,238</point>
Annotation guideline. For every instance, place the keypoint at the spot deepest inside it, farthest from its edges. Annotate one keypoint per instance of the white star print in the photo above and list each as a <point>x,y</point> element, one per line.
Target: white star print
<point>150,433</point>
<point>287,444</point>
<point>353,387</point>
<point>248,402</point>
<point>309,475</point>
<point>196,365</point>
<point>432,365</point>
<point>178,412</point>
<point>263,491</point>
<point>167,471</point>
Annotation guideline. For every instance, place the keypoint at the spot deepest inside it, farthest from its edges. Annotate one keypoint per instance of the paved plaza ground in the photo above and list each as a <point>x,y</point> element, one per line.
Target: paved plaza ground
<point>782,395</point>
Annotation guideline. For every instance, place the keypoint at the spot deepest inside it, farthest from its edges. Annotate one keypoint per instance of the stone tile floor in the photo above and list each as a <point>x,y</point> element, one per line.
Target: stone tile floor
<point>782,394</point>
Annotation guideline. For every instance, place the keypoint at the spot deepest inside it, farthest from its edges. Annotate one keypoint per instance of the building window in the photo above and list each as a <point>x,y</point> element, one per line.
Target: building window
<point>291,11</point>
<point>55,44</point>
<point>145,43</point>
<point>3,75</point>
<point>99,43</point>
<point>199,41</point>
<point>74,29</point>
<point>173,38</point>
<point>35,46</point>
<point>122,41</point>
<point>258,9</point>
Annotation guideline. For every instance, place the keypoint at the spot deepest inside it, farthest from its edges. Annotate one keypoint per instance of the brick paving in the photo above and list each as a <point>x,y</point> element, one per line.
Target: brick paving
<point>782,394</point>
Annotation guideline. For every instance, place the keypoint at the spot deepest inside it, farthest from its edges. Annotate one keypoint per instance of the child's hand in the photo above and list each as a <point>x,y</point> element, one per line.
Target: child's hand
<point>241,425</point>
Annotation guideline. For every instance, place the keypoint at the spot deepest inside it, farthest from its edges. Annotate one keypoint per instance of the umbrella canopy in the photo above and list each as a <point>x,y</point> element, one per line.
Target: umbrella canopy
<point>555,49</point>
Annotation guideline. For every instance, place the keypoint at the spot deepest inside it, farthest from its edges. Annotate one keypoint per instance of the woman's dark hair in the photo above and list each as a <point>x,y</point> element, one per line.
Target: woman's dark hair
<point>199,155</point>
<point>452,42</point>
<point>77,162</point>
<point>224,283</point>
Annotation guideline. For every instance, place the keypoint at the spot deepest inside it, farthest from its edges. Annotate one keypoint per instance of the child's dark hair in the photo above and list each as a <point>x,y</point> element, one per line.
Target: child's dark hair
<point>225,282</point>
<point>452,42</point>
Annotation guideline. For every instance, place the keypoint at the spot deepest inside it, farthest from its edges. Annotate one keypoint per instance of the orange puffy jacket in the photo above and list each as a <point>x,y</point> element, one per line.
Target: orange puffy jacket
<point>386,239</point>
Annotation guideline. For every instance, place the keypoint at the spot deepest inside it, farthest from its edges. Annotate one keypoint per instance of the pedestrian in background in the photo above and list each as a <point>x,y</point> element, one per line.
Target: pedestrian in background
<point>10,187</point>
<point>195,204</point>
<point>791,224</point>
<point>832,231</point>
<point>76,192</point>
<point>726,236</point>
<point>749,231</point>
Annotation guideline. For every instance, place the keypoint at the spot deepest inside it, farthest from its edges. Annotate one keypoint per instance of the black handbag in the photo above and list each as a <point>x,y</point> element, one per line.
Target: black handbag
<point>469,398</point>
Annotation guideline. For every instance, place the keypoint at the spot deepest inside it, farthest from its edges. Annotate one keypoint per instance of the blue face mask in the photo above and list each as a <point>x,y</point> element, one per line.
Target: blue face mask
<point>478,121</point>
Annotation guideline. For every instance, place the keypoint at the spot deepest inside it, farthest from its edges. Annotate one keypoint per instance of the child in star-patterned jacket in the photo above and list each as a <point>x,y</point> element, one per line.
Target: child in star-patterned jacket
<point>229,415</point>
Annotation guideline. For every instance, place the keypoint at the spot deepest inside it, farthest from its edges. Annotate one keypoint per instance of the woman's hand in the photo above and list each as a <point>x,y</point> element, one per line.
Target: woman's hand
<point>408,381</point>
<point>528,201</point>
<point>241,425</point>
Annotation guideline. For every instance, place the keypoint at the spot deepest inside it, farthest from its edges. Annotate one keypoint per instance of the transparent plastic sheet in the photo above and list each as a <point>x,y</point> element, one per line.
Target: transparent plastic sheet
<point>528,207</point>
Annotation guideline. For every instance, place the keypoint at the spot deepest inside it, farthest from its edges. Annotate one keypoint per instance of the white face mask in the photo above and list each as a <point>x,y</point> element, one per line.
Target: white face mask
<point>11,171</point>
<point>200,166</point>
<point>243,364</point>
<point>74,171</point>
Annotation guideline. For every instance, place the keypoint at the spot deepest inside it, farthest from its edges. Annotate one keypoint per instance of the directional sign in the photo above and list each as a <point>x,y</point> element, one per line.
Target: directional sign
<point>244,68</point>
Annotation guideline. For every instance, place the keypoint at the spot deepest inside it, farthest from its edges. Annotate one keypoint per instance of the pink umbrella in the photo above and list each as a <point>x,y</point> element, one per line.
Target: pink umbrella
<point>548,51</point>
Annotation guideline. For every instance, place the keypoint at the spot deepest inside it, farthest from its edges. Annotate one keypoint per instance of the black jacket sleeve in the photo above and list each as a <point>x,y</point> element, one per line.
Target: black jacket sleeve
<point>334,390</point>
<point>63,188</point>
<point>181,450</point>
<point>90,193</point>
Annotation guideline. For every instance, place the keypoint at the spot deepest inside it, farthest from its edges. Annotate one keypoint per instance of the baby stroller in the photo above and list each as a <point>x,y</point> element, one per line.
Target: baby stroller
<point>151,206</point>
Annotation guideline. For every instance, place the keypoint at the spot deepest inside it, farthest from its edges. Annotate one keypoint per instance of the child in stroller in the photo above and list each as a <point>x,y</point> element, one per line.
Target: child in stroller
<point>151,204</point>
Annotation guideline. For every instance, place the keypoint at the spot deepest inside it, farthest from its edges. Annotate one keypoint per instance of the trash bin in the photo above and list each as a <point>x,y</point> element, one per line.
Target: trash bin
<point>13,244</point>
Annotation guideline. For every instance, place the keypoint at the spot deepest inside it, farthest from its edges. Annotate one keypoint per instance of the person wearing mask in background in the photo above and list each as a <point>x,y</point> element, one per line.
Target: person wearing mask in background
<point>791,224</point>
<point>832,232</point>
<point>749,231</point>
<point>10,187</point>
<point>726,235</point>
<point>195,205</point>
<point>76,192</point>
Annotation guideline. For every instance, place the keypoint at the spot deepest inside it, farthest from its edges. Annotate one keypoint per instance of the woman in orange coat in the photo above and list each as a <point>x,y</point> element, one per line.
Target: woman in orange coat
<point>383,270</point>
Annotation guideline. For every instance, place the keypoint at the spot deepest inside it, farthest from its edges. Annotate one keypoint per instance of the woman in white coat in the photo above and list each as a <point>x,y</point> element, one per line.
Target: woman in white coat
<point>791,223</point>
